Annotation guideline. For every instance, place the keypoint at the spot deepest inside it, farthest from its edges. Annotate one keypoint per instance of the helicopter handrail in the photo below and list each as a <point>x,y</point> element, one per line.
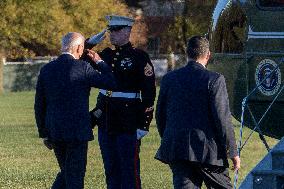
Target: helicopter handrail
<point>259,131</point>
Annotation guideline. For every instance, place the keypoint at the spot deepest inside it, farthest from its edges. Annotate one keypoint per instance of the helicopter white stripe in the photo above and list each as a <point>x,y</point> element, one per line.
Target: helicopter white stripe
<point>265,35</point>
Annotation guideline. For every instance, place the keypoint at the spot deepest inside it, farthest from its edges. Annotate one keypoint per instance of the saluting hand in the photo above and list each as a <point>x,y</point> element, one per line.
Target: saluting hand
<point>96,39</point>
<point>94,56</point>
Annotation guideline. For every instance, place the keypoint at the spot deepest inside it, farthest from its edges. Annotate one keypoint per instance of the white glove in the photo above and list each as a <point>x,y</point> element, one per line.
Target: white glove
<point>141,133</point>
<point>96,39</point>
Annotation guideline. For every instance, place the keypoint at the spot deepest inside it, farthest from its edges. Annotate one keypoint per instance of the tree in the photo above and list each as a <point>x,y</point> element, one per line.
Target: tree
<point>31,27</point>
<point>1,74</point>
<point>193,20</point>
<point>35,27</point>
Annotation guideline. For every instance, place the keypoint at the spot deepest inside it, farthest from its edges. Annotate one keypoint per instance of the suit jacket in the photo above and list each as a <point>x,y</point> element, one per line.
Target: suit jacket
<point>193,117</point>
<point>62,97</point>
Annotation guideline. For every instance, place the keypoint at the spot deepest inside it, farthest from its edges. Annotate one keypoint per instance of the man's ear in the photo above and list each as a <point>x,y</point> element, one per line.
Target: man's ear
<point>78,49</point>
<point>208,55</point>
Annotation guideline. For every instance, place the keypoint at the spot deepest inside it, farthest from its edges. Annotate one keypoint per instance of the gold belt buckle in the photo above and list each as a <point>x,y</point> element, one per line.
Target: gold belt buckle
<point>108,93</point>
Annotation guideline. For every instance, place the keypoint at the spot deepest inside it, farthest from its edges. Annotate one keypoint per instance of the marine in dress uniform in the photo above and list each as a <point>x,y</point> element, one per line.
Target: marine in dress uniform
<point>124,115</point>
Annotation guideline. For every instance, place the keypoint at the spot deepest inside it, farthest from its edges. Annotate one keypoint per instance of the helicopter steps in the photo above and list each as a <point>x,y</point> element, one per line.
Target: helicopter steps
<point>269,172</point>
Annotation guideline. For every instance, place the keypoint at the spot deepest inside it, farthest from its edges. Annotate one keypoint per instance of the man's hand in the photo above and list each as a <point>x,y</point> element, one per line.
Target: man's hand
<point>236,163</point>
<point>47,143</point>
<point>94,56</point>
<point>141,133</point>
<point>96,39</point>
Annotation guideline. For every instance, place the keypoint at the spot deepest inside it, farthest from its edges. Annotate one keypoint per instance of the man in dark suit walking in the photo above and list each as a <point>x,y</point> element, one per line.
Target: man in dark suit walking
<point>194,122</point>
<point>62,108</point>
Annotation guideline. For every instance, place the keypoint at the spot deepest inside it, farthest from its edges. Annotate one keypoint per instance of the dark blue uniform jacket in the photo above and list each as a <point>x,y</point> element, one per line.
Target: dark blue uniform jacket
<point>134,73</point>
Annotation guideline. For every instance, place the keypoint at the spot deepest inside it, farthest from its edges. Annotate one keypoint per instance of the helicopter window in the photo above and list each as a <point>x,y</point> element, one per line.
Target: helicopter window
<point>230,33</point>
<point>271,3</point>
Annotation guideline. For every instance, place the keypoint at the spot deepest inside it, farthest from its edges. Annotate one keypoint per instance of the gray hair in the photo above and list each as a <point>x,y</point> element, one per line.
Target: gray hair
<point>70,40</point>
<point>197,46</point>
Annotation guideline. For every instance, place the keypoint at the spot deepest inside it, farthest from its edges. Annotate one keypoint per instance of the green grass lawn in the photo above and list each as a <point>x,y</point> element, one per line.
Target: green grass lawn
<point>26,164</point>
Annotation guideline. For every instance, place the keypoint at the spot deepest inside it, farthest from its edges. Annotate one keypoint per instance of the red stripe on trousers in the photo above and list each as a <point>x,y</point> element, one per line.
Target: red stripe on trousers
<point>136,157</point>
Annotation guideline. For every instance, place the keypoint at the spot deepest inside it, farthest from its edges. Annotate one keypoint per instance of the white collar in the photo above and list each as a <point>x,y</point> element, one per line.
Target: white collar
<point>69,54</point>
<point>202,65</point>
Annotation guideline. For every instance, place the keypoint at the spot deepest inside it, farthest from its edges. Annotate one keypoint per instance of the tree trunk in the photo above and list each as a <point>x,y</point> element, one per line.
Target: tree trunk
<point>184,24</point>
<point>1,74</point>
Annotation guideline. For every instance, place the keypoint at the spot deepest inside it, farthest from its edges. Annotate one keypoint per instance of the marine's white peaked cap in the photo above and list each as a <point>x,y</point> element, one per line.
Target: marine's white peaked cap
<point>115,20</point>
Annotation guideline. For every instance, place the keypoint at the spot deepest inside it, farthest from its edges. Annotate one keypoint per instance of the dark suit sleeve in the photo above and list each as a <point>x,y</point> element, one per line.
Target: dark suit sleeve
<point>40,108</point>
<point>222,116</point>
<point>103,78</point>
<point>161,108</point>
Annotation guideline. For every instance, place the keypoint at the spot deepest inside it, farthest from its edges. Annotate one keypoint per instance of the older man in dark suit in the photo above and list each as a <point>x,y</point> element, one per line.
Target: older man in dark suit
<point>62,108</point>
<point>194,122</point>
